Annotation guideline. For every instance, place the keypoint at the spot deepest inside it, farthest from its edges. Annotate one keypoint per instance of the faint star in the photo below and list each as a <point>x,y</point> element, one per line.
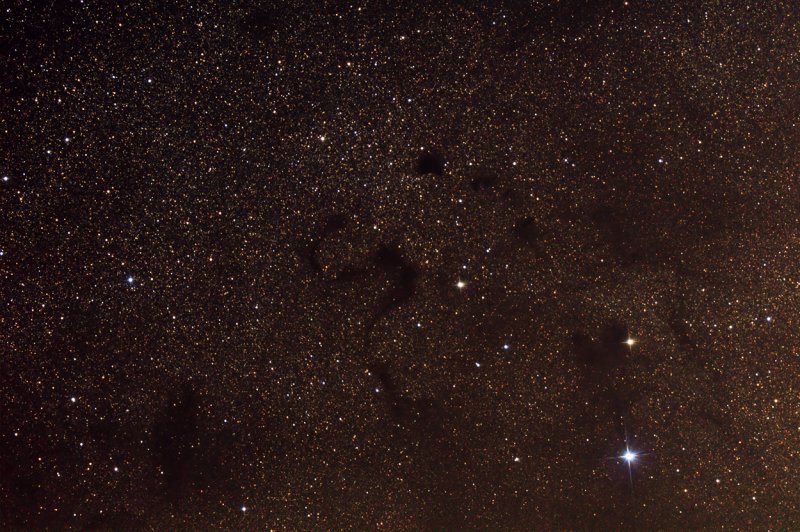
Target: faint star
<point>130,279</point>
<point>244,508</point>
<point>460,284</point>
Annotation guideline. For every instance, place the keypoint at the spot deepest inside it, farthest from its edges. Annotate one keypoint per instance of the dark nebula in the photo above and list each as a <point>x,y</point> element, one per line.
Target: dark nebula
<point>430,162</point>
<point>304,266</point>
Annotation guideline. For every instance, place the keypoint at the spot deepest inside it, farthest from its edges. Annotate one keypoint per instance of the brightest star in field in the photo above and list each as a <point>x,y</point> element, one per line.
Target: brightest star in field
<point>629,456</point>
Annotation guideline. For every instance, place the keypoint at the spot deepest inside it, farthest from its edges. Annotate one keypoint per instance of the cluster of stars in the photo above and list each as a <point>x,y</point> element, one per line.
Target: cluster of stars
<point>277,261</point>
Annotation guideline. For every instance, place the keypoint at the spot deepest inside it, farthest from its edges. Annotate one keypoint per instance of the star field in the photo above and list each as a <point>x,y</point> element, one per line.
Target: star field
<point>356,266</point>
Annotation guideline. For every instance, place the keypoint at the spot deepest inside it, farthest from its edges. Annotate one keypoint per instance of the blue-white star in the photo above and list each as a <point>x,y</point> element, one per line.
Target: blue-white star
<point>629,456</point>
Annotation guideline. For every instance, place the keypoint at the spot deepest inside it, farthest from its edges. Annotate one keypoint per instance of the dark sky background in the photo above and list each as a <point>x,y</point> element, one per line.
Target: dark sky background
<point>326,266</point>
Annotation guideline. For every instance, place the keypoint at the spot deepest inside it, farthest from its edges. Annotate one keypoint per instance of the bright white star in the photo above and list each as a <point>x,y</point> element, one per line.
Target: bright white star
<point>629,456</point>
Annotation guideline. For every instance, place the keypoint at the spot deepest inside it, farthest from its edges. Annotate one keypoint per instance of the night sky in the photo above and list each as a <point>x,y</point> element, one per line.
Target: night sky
<point>438,266</point>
